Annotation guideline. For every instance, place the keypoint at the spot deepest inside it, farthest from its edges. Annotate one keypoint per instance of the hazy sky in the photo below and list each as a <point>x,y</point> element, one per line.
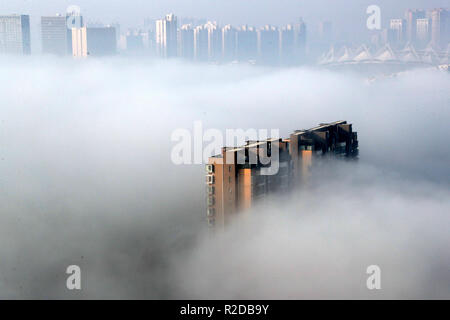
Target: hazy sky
<point>347,15</point>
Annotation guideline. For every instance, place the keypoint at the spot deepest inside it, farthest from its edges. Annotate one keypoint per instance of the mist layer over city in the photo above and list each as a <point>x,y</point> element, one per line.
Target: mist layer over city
<point>87,179</point>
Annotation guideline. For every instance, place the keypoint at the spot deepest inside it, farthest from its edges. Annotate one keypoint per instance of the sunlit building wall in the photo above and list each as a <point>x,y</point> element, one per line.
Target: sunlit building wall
<point>79,42</point>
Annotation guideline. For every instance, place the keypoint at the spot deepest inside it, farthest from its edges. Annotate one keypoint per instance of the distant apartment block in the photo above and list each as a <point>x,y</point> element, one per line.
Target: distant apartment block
<point>228,43</point>
<point>101,41</point>
<point>293,43</point>
<point>423,31</point>
<point>214,41</point>
<point>201,49</point>
<point>268,45</point>
<point>15,34</point>
<point>56,37</point>
<point>397,32</point>
<point>300,31</point>
<point>186,42</point>
<point>246,43</point>
<point>411,19</point>
<point>135,42</point>
<point>237,178</point>
<point>166,36</point>
<point>287,44</point>
<point>440,27</point>
<point>79,42</point>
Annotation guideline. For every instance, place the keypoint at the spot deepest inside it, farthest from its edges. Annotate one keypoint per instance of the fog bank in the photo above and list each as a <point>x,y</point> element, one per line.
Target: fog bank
<point>86,179</point>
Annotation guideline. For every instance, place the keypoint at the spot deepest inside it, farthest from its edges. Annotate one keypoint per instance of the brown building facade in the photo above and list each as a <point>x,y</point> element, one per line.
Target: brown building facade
<point>239,177</point>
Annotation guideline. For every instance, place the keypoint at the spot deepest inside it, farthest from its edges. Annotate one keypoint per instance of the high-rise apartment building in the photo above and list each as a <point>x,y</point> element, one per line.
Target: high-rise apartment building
<point>55,35</point>
<point>15,34</point>
<point>101,41</point>
<point>214,41</point>
<point>293,43</point>
<point>229,43</point>
<point>166,36</point>
<point>397,32</point>
<point>287,44</point>
<point>300,33</point>
<point>201,49</point>
<point>268,45</point>
<point>135,41</point>
<point>423,32</point>
<point>186,42</point>
<point>246,43</point>
<point>440,27</point>
<point>240,177</point>
<point>79,42</point>
<point>411,17</point>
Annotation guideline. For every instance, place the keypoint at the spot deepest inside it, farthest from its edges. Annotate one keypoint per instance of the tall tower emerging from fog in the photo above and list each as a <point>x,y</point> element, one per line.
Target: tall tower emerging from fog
<point>238,178</point>
<point>423,31</point>
<point>397,30</point>
<point>166,36</point>
<point>201,43</point>
<point>214,40</point>
<point>268,44</point>
<point>55,35</point>
<point>186,42</point>
<point>246,43</point>
<point>440,27</point>
<point>228,42</point>
<point>15,34</point>
<point>79,42</point>
<point>326,31</point>
<point>293,43</point>
<point>287,45</point>
<point>411,17</point>
<point>300,32</point>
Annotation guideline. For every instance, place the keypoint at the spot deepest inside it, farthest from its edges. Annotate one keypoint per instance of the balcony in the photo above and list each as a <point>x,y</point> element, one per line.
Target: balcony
<point>210,179</point>
<point>209,168</point>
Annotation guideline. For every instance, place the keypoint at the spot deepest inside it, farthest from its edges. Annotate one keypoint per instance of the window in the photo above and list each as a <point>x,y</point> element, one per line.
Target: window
<point>210,168</point>
<point>211,201</point>
<point>209,179</point>
<point>211,190</point>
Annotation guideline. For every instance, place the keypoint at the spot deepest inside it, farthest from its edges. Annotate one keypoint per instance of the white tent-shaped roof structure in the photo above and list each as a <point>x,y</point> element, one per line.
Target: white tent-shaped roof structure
<point>328,57</point>
<point>408,56</point>
<point>346,56</point>
<point>363,54</point>
<point>386,54</point>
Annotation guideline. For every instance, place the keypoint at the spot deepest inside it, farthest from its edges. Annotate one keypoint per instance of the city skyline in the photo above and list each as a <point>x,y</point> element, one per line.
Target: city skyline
<point>167,37</point>
<point>425,30</point>
<point>348,22</point>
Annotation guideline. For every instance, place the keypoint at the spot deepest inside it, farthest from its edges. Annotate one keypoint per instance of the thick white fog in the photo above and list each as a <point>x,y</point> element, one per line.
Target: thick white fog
<point>86,178</point>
